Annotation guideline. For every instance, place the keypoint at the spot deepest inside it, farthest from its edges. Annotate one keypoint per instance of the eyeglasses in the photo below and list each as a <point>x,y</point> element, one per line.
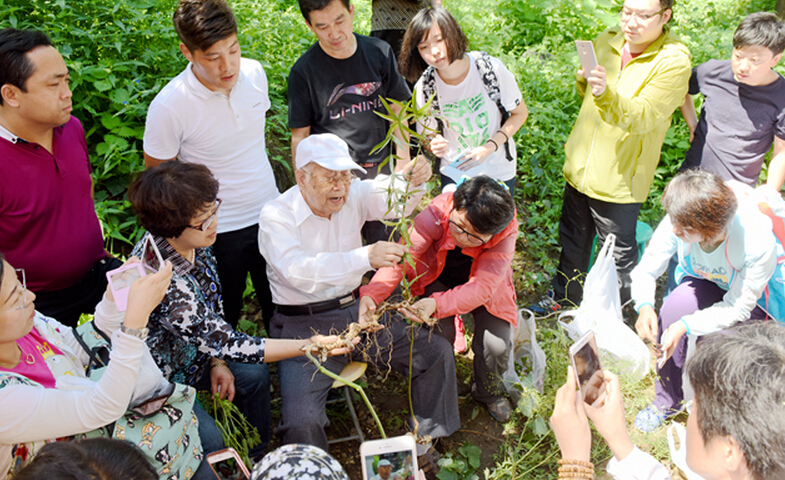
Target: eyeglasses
<point>626,15</point>
<point>22,282</point>
<point>472,238</point>
<point>346,177</point>
<point>206,224</point>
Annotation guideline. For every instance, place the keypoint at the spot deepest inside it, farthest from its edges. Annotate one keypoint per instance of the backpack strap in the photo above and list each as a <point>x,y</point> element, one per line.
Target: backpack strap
<point>98,354</point>
<point>428,92</point>
<point>491,83</point>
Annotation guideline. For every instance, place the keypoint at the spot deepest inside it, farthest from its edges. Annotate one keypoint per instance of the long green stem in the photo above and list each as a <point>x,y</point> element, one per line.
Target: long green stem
<point>358,388</point>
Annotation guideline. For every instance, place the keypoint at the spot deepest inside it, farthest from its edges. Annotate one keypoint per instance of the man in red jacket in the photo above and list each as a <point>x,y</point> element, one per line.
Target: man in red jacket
<point>463,244</point>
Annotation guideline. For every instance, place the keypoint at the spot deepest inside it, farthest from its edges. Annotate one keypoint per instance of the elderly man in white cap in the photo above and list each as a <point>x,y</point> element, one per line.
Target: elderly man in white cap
<point>310,237</point>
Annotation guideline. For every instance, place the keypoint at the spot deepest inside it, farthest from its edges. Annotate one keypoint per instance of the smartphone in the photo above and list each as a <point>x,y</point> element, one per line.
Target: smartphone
<point>459,160</point>
<point>227,465</point>
<point>151,256</point>
<point>586,55</point>
<point>120,280</point>
<point>389,458</point>
<point>585,358</point>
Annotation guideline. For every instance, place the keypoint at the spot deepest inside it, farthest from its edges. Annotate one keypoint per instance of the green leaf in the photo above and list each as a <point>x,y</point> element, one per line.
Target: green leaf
<point>102,85</point>
<point>539,427</point>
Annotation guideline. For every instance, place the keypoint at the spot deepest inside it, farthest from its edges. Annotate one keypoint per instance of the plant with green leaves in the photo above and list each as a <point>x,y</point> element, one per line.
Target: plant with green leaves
<point>236,431</point>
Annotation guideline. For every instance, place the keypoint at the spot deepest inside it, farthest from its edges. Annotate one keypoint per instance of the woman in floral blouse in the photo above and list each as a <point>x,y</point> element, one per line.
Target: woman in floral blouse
<point>190,341</point>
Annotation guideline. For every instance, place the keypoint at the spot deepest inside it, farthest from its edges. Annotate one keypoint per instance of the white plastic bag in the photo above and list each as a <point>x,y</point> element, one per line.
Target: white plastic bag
<point>679,457</point>
<point>529,357</point>
<point>600,311</point>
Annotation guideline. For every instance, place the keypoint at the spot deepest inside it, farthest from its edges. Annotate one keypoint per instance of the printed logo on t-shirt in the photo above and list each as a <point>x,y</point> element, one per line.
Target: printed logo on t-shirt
<point>362,89</point>
<point>468,118</point>
<point>717,275</point>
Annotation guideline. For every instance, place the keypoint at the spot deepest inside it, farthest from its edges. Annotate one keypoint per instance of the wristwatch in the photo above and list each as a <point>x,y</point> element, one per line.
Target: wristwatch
<point>140,333</point>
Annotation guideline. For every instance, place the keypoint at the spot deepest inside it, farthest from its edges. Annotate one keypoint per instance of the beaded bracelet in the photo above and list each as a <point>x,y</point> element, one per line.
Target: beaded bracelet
<point>575,468</point>
<point>219,364</point>
<point>494,143</point>
<point>587,475</point>
<point>581,463</point>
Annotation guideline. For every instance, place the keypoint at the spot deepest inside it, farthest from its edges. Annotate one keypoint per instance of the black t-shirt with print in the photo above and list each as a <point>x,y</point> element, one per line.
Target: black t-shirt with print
<point>342,96</point>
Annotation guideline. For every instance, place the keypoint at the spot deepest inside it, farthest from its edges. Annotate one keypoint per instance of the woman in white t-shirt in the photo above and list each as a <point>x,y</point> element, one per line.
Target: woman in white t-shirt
<point>471,138</point>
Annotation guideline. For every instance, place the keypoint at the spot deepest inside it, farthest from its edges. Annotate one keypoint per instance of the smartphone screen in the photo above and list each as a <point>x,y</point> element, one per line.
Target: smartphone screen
<point>228,469</point>
<point>150,255</point>
<point>393,458</point>
<point>391,465</point>
<point>586,362</point>
<point>124,278</point>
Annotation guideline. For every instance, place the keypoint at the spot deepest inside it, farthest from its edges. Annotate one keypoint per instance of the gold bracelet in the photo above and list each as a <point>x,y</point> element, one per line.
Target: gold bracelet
<point>506,137</point>
<point>219,364</point>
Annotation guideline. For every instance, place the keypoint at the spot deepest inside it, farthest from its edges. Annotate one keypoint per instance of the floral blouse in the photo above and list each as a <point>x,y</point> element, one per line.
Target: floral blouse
<point>188,326</point>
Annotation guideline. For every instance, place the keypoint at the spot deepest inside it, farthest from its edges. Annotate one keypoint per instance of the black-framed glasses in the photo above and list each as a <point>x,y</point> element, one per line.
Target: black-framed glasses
<point>626,14</point>
<point>206,224</point>
<point>472,238</point>
<point>22,281</point>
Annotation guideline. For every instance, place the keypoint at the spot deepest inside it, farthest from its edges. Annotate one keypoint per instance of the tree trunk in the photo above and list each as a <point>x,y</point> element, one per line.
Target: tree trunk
<point>780,8</point>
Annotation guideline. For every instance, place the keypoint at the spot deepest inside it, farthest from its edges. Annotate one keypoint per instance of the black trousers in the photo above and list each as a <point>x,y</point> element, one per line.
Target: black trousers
<point>68,304</point>
<point>581,218</point>
<point>237,254</point>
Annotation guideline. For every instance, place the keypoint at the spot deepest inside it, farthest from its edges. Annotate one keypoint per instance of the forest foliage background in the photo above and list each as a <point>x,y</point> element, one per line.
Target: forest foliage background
<point>121,52</point>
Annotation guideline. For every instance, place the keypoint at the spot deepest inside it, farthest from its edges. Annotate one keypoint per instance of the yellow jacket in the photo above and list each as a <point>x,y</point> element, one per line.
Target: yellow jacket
<point>614,147</point>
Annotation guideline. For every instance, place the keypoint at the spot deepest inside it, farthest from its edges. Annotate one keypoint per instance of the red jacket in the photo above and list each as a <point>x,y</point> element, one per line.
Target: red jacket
<point>490,281</point>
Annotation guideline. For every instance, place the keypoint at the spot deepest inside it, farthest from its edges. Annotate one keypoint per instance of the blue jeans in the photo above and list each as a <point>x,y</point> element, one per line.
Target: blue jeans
<point>252,397</point>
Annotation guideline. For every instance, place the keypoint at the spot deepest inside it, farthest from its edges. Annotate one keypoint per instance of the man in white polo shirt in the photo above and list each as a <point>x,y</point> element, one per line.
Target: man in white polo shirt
<point>213,113</point>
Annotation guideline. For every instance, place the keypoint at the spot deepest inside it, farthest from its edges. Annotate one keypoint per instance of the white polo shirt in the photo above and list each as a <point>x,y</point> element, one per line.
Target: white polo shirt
<point>226,134</point>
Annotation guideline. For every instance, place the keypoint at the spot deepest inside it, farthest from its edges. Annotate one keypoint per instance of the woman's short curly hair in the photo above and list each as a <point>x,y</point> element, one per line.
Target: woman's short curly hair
<point>167,197</point>
<point>700,200</point>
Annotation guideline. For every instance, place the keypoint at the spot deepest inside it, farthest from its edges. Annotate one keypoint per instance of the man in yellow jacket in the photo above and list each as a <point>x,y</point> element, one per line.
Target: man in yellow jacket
<point>612,153</point>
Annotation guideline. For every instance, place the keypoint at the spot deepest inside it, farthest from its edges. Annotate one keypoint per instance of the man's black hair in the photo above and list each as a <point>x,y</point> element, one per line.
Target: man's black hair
<point>308,6</point>
<point>489,206</point>
<point>738,376</point>
<point>761,29</point>
<point>15,67</point>
<point>200,24</point>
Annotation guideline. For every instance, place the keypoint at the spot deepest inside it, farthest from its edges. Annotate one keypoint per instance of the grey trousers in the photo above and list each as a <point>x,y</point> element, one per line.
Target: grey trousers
<point>304,390</point>
<point>491,345</point>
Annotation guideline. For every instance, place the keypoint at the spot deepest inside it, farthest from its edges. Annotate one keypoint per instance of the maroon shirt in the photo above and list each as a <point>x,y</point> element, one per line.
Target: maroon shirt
<point>48,224</point>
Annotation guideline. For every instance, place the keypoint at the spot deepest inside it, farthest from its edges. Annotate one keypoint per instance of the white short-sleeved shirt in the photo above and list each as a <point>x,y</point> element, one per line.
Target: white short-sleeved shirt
<point>474,117</point>
<point>226,134</point>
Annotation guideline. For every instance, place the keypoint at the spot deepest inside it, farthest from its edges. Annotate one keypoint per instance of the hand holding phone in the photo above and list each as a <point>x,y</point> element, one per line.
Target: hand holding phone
<point>227,465</point>
<point>586,55</point>
<point>585,359</point>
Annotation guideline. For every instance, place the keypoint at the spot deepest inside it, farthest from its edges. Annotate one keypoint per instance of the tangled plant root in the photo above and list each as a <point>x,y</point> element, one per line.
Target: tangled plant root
<point>371,324</point>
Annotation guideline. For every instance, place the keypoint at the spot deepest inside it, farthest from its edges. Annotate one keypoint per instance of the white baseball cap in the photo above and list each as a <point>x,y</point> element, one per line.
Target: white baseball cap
<point>327,150</point>
<point>384,463</point>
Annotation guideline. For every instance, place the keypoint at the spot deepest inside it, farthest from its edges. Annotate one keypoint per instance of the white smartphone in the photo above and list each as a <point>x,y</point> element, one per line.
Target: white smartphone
<point>227,465</point>
<point>120,280</point>
<point>585,359</point>
<point>151,256</point>
<point>586,55</point>
<point>390,458</point>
